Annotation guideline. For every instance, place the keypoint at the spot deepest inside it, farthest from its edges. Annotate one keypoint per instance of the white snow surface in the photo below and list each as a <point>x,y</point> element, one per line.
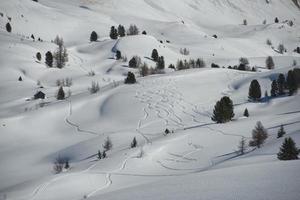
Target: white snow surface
<point>198,160</point>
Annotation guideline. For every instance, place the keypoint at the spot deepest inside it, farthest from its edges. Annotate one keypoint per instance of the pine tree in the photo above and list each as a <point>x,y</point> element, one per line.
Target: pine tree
<point>133,62</point>
<point>121,31</point>
<point>270,63</point>
<point>288,150</point>
<point>160,63</point>
<point>276,20</point>
<point>133,30</point>
<point>155,55</point>
<point>49,59</point>
<point>99,155</point>
<point>60,94</point>
<point>242,146</point>
<point>246,113</point>
<point>20,78</point>
<point>118,55</point>
<point>144,33</point>
<point>67,165</point>
<point>274,88</point>
<point>133,143</point>
<point>107,144</point>
<point>281,48</point>
<point>291,82</point>
<point>38,56</point>
<point>259,135</point>
<point>130,78</point>
<point>223,111</point>
<point>281,132</point>
<point>281,84</point>
<point>94,36</point>
<point>8,27</point>
<point>113,33</point>
<point>104,154</point>
<point>254,91</point>
<point>61,55</point>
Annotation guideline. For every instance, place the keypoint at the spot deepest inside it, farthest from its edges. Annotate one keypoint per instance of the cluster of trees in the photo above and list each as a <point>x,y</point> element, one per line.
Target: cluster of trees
<point>192,63</point>
<point>280,86</point>
<point>60,164</point>
<point>60,57</point>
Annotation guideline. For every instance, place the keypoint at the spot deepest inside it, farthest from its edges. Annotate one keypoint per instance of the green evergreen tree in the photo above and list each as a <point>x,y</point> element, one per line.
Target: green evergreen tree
<point>274,88</point>
<point>281,132</point>
<point>38,56</point>
<point>259,135</point>
<point>113,33</point>
<point>49,59</point>
<point>130,78</point>
<point>133,62</point>
<point>223,111</point>
<point>246,113</point>
<point>288,150</point>
<point>121,31</point>
<point>270,63</point>
<point>281,84</point>
<point>60,94</point>
<point>254,91</point>
<point>94,36</point>
<point>118,55</point>
<point>8,27</point>
<point>291,82</point>
<point>133,143</point>
<point>160,63</point>
<point>155,55</point>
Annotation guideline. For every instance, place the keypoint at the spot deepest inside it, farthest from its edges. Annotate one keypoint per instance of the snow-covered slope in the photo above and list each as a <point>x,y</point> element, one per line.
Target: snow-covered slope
<point>197,161</point>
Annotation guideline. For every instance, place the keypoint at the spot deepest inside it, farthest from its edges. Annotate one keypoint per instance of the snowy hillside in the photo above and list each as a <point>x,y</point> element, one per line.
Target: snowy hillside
<point>181,153</point>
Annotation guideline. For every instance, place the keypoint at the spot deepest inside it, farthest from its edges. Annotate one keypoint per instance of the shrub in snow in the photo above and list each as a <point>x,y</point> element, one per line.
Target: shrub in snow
<point>133,30</point>
<point>107,144</point>
<point>223,110</point>
<point>281,132</point>
<point>94,87</point>
<point>144,33</point>
<point>121,31</point>
<point>270,63</point>
<point>130,79</point>
<point>113,33</point>
<point>38,56</point>
<point>154,55</point>
<point>288,150</point>
<point>133,143</point>
<point>8,27</point>
<point>259,135</point>
<point>60,94</point>
<point>246,113</point>
<point>254,93</point>
<point>94,36</point>
<point>49,59</point>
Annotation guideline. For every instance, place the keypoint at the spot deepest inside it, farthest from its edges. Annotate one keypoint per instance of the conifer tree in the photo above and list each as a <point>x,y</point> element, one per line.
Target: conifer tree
<point>130,78</point>
<point>259,135</point>
<point>274,88</point>
<point>291,82</point>
<point>223,111</point>
<point>246,113</point>
<point>133,62</point>
<point>288,150</point>
<point>133,143</point>
<point>8,27</point>
<point>118,55</point>
<point>107,144</point>
<point>281,132</point>
<point>281,84</point>
<point>38,56</point>
<point>155,55</point>
<point>113,33</point>
<point>60,94</point>
<point>99,155</point>
<point>121,31</point>
<point>49,59</point>
<point>61,55</point>
<point>270,63</point>
<point>254,91</point>
<point>160,63</point>
<point>276,20</point>
<point>94,36</point>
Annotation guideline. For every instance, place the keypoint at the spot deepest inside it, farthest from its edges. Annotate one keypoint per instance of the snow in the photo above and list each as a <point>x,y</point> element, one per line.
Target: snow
<point>198,160</point>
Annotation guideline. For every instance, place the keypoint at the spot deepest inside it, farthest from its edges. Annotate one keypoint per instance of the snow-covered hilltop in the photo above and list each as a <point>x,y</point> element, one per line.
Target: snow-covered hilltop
<point>64,103</point>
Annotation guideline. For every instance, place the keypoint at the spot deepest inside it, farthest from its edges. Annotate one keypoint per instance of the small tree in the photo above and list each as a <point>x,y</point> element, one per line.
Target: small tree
<point>242,146</point>
<point>160,63</point>
<point>276,20</point>
<point>99,155</point>
<point>281,48</point>
<point>144,33</point>
<point>107,144</point>
<point>274,88</point>
<point>104,154</point>
<point>281,84</point>
<point>223,111</point>
<point>133,30</point>
<point>281,132</point>
<point>60,94</point>
<point>8,27</point>
<point>94,87</point>
<point>94,36</point>
<point>121,31</point>
<point>113,33</point>
<point>118,55</point>
<point>67,165</point>
<point>49,59</point>
<point>244,61</point>
<point>144,70</point>
<point>245,23</point>
<point>155,55</point>
<point>130,78</point>
<point>38,56</point>
<point>269,42</point>
<point>133,143</point>
<point>61,55</point>
<point>270,63</point>
<point>288,150</point>
<point>254,91</point>
<point>259,135</point>
<point>246,113</point>
<point>200,63</point>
